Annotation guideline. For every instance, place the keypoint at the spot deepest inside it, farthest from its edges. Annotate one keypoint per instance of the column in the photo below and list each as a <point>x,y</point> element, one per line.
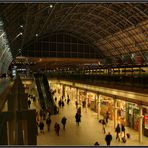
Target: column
<point>63,92</point>
<point>140,123</point>
<point>99,103</point>
<point>77,95</point>
<point>86,100</point>
<point>115,113</point>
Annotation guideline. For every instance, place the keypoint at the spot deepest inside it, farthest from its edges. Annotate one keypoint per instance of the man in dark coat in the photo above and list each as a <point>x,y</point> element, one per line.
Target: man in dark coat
<point>108,139</point>
<point>63,121</point>
<point>78,118</point>
<point>48,122</point>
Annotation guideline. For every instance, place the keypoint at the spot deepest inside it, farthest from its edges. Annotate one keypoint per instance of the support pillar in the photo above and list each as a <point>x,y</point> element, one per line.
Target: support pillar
<point>140,123</point>
<point>99,103</point>
<point>77,96</point>
<point>86,100</point>
<point>63,92</point>
<point>115,113</point>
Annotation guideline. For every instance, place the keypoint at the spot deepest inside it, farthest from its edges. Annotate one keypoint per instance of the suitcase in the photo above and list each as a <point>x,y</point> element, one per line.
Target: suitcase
<point>123,140</point>
<point>128,135</point>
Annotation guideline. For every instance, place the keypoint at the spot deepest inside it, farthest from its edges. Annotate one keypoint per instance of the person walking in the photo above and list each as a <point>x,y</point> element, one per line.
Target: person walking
<point>123,130</point>
<point>79,110</point>
<point>68,101</point>
<point>41,126</point>
<point>108,139</point>
<point>117,130</point>
<point>48,122</point>
<point>78,118</point>
<point>55,126</point>
<point>63,121</point>
<point>62,103</point>
<point>104,124</point>
<point>58,129</point>
<point>76,102</point>
<point>29,102</point>
<point>107,117</point>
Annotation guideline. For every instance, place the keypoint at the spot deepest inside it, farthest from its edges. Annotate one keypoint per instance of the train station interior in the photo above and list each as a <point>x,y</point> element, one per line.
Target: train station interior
<point>74,74</point>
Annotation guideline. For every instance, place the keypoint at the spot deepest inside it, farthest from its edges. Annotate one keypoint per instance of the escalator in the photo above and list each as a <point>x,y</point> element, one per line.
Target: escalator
<point>39,89</point>
<point>45,95</point>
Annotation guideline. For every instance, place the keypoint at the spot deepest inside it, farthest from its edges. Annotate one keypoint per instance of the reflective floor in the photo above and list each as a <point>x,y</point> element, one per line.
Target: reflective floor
<point>87,133</point>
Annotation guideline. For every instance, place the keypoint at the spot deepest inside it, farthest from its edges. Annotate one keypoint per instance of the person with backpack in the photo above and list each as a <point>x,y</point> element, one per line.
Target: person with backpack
<point>63,121</point>
<point>48,122</point>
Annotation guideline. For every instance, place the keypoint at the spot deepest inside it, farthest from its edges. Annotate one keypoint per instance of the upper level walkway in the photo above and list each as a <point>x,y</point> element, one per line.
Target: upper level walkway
<point>89,131</point>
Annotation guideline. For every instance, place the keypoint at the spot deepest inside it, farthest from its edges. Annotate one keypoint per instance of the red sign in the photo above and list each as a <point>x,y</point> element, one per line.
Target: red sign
<point>146,121</point>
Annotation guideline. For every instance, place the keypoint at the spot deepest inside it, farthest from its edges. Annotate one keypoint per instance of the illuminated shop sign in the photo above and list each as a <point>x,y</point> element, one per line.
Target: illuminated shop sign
<point>146,121</point>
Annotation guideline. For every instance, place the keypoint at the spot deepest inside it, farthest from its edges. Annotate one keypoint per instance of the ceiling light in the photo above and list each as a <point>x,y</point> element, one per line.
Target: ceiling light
<point>21,26</point>
<point>21,33</point>
<point>51,6</point>
<point>36,35</point>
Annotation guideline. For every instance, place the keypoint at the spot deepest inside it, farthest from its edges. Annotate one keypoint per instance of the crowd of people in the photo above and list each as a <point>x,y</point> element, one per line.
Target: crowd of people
<point>44,117</point>
<point>121,135</point>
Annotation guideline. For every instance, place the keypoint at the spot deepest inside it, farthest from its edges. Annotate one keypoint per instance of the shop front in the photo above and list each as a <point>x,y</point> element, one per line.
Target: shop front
<point>92,101</point>
<point>82,98</point>
<point>67,92</point>
<point>72,93</point>
<point>145,122</point>
<point>107,105</point>
<point>121,112</point>
<point>132,115</point>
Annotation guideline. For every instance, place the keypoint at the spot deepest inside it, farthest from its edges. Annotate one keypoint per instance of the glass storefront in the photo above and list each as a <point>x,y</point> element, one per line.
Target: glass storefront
<point>107,105</point>
<point>132,115</point>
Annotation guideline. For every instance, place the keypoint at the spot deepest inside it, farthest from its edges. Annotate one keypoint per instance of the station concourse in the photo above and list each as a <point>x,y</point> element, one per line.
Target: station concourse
<point>89,131</point>
<point>94,55</point>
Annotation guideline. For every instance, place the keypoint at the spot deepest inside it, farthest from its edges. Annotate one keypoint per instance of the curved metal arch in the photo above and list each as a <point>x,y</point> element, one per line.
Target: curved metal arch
<point>85,21</point>
<point>90,15</point>
<point>94,32</point>
<point>79,32</point>
<point>133,39</point>
<point>141,11</point>
<point>97,45</point>
<point>121,15</point>
<point>109,10</point>
<point>83,30</point>
<point>112,45</point>
<point>94,15</point>
<point>99,6</point>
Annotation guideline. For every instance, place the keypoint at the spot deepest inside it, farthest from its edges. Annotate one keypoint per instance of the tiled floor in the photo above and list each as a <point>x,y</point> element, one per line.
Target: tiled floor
<point>89,131</point>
